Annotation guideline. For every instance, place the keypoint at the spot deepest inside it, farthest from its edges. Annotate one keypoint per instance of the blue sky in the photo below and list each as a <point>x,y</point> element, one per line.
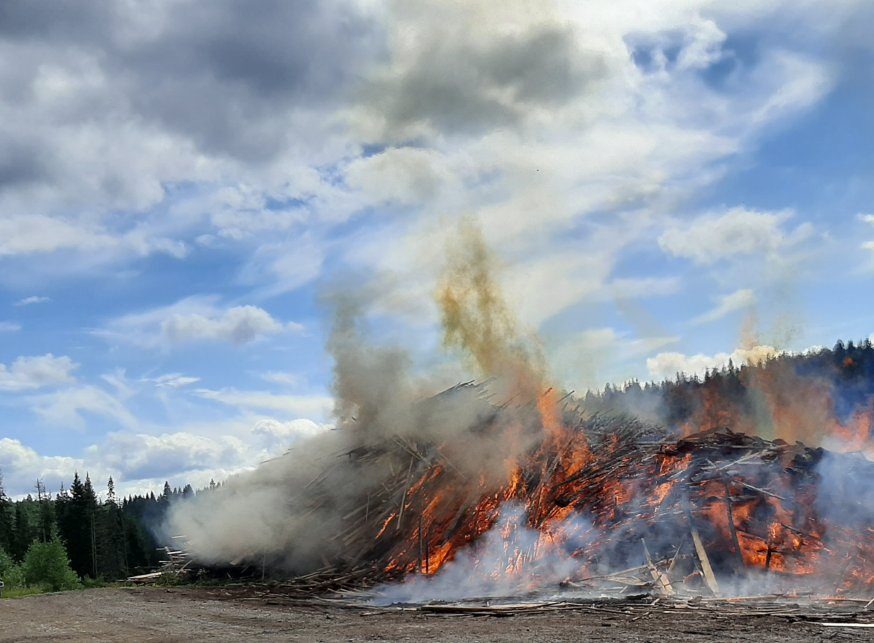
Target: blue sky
<point>185,186</point>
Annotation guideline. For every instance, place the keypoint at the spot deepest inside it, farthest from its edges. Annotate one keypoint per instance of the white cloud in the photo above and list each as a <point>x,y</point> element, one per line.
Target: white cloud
<point>67,406</point>
<point>33,299</point>
<point>137,455</point>
<point>195,319</point>
<point>28,373</point>
<point>287,380</point>
<point>738,231</point>
<point>313,406</point>
<point>9,327</point>
<point>286,433</point>
<point>405,175</point>
<point>866,218</point>
<point>28,234</point>
<point>173,380</point>
<point>667,365</point>
<point>238,325</point>
<point>727,304</point>
<point>22,466</point>
<point>276,268</point>
<point>599,161</point>
<point>40,234</point>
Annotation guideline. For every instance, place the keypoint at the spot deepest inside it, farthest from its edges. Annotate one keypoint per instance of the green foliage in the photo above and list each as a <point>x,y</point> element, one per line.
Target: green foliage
<point>6,563</point>
<point>47,564</point>
<point>10,573</point>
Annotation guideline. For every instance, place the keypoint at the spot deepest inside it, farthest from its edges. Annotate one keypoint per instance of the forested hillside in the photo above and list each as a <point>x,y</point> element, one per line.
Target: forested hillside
<point>811,397</point>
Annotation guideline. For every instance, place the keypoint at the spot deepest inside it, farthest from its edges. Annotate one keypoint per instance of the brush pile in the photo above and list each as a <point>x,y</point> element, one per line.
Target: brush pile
<point>604,503</point>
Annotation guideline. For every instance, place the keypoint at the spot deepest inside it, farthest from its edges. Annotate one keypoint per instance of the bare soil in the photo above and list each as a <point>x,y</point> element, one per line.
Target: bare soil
<point>240,613</point>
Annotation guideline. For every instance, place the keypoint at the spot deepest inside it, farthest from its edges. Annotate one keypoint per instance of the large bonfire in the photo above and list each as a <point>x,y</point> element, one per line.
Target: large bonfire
<point>509,486</point>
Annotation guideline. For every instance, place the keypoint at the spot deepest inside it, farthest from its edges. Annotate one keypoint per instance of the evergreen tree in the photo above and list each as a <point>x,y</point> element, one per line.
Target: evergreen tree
<point>47,564</point>
<point>7,535</point>
<point>25,533</point>
<point>47,525</point>
<point>110,538</point>
<point>76,523</point>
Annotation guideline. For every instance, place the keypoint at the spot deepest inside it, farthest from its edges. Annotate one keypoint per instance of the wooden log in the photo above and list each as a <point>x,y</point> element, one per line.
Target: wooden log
<point>404,496</point>
<point>662,582</point>
<point>709,577</point>
<point>731,528</point>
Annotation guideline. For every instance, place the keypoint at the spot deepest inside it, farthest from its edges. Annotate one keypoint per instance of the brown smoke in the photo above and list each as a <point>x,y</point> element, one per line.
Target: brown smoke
<point>477,321</point>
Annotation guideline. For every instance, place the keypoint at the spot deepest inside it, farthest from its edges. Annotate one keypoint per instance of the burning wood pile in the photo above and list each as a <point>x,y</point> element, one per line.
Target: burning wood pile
<point>604,503</point>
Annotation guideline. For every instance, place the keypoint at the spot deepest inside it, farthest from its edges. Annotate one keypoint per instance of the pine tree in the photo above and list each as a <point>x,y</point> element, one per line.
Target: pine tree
<point>47,525</point>
<point>25,533</point>
<point>110,538</point>
<point>7,535</point>
<point>76,524</point>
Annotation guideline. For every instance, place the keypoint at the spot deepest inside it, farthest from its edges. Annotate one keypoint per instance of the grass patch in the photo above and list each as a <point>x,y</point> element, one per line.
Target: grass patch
<point>21,592</point>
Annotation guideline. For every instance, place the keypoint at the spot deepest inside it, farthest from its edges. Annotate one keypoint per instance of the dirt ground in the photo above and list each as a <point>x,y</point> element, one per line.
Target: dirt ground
<point>237,614</point>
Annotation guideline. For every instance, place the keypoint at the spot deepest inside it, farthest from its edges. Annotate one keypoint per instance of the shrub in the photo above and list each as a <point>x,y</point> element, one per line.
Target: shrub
<point>6,563</point>
<point>11,574</point>
<point>47,564</point>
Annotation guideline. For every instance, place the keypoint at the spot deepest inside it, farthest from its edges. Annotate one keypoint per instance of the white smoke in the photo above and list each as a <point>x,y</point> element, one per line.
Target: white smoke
<point>508,560</point>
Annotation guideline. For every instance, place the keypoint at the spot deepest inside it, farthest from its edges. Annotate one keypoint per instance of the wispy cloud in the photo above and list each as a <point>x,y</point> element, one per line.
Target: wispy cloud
<point>33,299</point>
<point>172,380</point>
<point>309,406</point>
<point>727,304</point>
<point>69,406</point>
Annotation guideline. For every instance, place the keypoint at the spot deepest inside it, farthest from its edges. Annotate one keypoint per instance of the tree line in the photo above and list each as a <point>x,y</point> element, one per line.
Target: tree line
<point>829,383</point>
<point>101,539</point>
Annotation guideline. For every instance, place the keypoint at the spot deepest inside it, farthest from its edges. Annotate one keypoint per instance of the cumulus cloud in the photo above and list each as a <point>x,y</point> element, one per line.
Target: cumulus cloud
<point>738,231</point>
<point>401,175</point>
<point>741,299</point>
<point>196,319</point>
<point>202,97</point>
<point>238,325</point>
<point>137,456</point>
<point>28,373</point>
<point>507,72</point>
<point>667,365</point>
<point>21,466</point>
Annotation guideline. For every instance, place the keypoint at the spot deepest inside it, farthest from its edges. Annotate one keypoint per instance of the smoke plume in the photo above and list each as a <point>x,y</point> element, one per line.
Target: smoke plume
<point>288,512</point>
